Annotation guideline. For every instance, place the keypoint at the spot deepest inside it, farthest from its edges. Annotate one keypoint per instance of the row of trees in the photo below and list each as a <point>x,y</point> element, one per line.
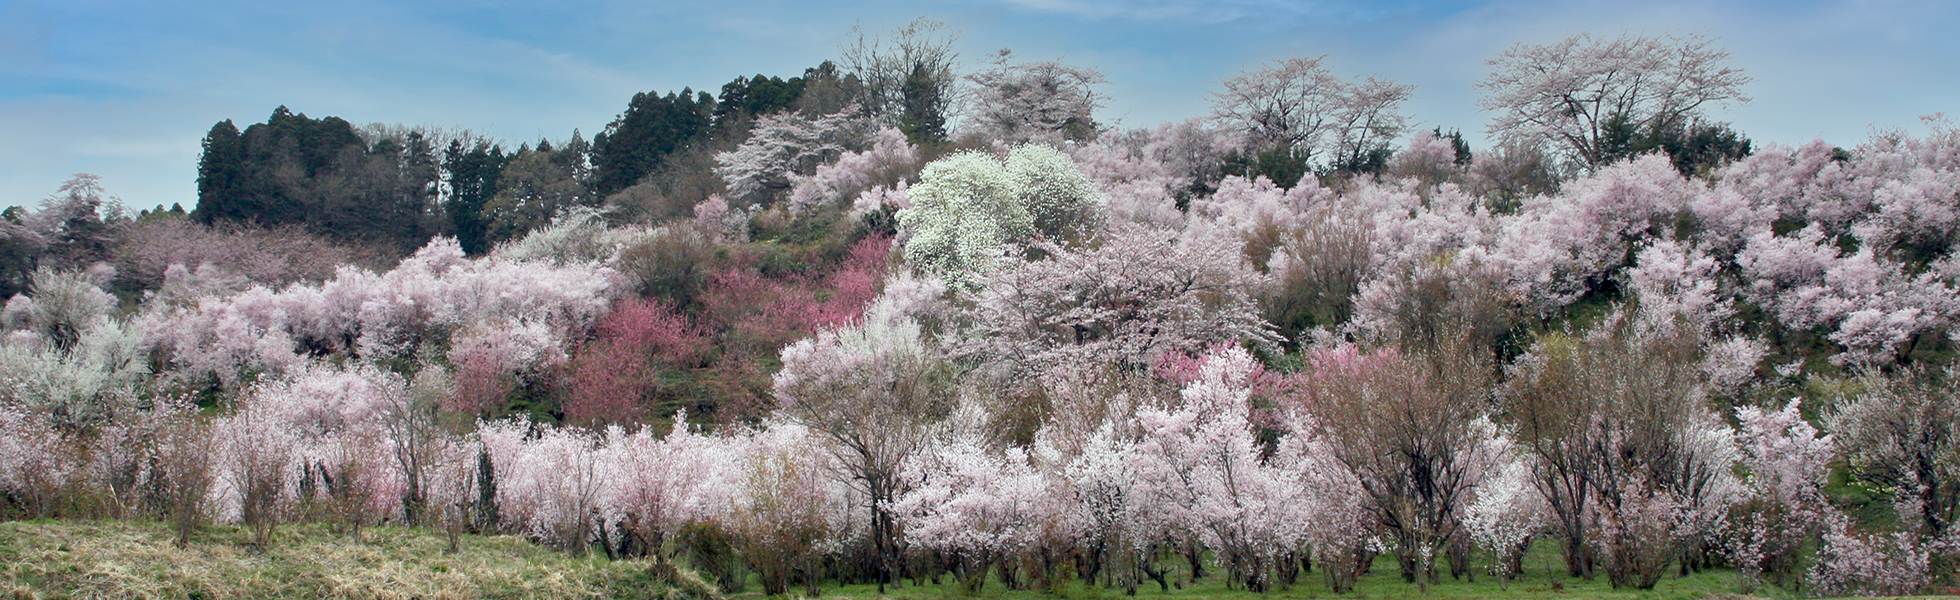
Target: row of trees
<point>1051,353</point>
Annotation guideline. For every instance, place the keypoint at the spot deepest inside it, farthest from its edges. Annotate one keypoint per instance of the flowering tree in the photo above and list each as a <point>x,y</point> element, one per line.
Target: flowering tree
<point>870,393</point>
<point>886,166</point>
<point>1043,102</point>
<point>1144,174</point>
<point>1904,433</point>
<point>966,206</point>
<point>1630,460</point>
<point>786,512</point>
<point>1566,93</point>
<point>976,504</point>
<point>72,363</point>
<point>1558,249</point>
<point>372,316</point>
<point>1507,512</point>
<point>1203,466</point>
<point>1415,435</point>
<point>1786,508</point>
<point>1140,294</point>
<point>272,258</point>
<point>1299,104</point>
<point>626,369</point>
<point>782,147</point>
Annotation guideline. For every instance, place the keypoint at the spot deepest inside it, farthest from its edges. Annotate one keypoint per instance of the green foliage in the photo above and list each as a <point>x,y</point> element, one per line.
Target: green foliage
<point>473,176</point>
<point>924,100</point>
<point>748,98</point>
<point>674,264</point>
<point>1695,148</point>
<point>640,139</point>
<point>535,187</point>
<point>1284,164</point>
<point>295,170</point>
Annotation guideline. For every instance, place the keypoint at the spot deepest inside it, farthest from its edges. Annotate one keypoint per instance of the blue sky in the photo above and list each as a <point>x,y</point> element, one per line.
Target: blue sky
<point>126,89</point>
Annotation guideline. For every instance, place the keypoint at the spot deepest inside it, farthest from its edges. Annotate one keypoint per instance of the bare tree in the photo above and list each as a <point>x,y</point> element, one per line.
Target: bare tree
<point>907,73</point>
<point>1628,456</point>
<point>1565,93</point>
<point>1299,103</point>
<point>1412,422</point>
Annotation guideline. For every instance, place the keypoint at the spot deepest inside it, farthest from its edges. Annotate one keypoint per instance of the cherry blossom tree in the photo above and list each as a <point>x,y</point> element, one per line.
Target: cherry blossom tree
<point>1140,294</point>
<point>1869,563</point>
<point>783,147</point>
<point>1039,102</point>
<point>1300,105</point>
<point>362,314</point>
<point>980,505</point>
<point>1787,463</point>
<point>1902,433</point>
<point>1557,249</point>
<point>1414,433</point>
<point>1565,93</point>
<point>273,258</point>
<point>869,392</point>
<point>887,166</point>
<point>1146,174</point>
<point>1633,465</point>
<point>786,512</point>
<point>1507,513</point>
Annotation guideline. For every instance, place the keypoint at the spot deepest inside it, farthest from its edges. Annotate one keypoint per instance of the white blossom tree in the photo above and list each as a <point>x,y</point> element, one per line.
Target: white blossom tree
<point>966,206</point>
<point>1565,93</point>
<point>1301,105</point>
<point>1043,101</point>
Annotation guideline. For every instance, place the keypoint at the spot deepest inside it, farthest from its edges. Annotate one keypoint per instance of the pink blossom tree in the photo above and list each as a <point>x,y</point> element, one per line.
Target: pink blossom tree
<point>1299,104</point>
<point>869,392</point>
<point>887,166</point>
<point>1565,93</point>
<point>1787,462</point>
<point>1040,102</point>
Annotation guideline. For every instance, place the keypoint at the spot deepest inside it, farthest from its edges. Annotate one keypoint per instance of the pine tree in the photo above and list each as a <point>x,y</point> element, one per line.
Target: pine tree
<point>221,175</point>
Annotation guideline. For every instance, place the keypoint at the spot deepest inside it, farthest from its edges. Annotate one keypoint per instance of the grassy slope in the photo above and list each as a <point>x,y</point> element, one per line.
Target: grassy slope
<point>137,560</point>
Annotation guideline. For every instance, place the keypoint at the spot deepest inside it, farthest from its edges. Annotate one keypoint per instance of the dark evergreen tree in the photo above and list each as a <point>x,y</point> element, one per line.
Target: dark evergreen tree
<point>652,128</point>
<point>221,175</point>
<point>1694,147</point>
<point>320,173</point>
<point>925,102</point>
<point>743,99</point>
<point>20,248</point>
<point>473,175</point>
<point>1457,143</point>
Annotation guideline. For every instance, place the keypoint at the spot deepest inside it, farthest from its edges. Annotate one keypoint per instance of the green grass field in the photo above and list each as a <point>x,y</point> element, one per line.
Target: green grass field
<point>1543,578</point>
<point>113,559</point>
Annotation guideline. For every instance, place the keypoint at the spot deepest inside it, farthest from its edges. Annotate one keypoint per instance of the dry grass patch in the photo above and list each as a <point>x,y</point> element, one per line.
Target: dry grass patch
<point>71,559</point>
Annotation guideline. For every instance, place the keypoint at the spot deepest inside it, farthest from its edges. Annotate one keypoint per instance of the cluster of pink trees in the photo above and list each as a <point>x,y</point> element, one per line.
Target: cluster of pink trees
<point>1119,358</point>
